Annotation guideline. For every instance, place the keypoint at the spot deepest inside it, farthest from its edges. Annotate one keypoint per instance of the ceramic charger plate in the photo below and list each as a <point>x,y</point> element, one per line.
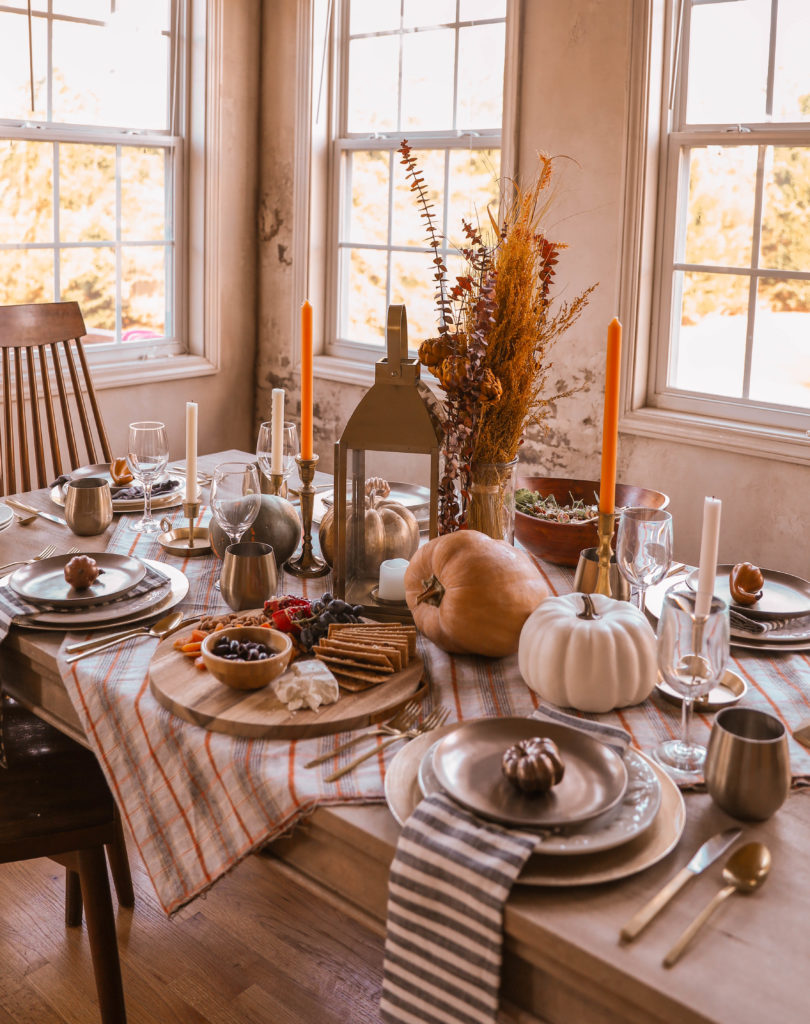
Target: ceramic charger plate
<point>403,794</point>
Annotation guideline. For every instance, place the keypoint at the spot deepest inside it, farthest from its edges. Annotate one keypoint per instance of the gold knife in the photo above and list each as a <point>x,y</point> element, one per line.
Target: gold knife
<point>706,855</point>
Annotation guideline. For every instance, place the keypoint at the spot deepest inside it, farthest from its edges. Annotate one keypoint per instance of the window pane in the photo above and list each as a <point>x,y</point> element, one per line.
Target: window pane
<point>727,80</point>
<point>427,77</point>
<point>26,191</point>
<point>373,16</point>
<point>780,362</point>
<point>428,12</point>
<point>15,88</point>
<point>473,186</point>
<point>86,193</point>
<point>785,243</point>
<point>791,84</point>
<point>709,353</point>
<point>95,9</point>
<point>99,74</point>
<point>363,289</point>
<point>473,10</point>
<point>373,76</point>
<point>412,284</point>
<point>368,182</point>
<point>26,275</point>
<point>143,291</point>
<point>480,77</point>
<point>408,225</point>
<point>143,197</point>
<point>720,212</point>
<point>87,276</point>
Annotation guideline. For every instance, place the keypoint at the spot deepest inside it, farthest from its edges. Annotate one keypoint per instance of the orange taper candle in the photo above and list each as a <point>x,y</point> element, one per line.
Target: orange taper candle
<point>306,380</point>
<point>610,425</point>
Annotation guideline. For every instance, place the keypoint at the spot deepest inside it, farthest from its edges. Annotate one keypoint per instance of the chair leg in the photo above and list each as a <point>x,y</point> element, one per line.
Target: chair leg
<point>119,866</point>
<point>101,932</point>
<point>73,899</point>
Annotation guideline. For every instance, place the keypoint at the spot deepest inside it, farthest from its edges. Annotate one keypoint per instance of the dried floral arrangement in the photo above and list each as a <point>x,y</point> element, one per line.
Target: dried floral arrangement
<point>496,328</point>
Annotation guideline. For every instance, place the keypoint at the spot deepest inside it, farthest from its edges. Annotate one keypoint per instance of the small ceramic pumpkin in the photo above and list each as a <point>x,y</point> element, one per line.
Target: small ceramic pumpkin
<point>471,594</point>
<point>276,524</point>
<point>391,530</point>
<point>533,765</point>
<point>588,652</point>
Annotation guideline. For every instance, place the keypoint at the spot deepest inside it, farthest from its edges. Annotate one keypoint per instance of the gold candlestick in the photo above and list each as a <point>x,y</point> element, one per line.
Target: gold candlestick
<point>274,483</point>
<point>191,509</point>
<point>307,564</point>
<point>604,553</point>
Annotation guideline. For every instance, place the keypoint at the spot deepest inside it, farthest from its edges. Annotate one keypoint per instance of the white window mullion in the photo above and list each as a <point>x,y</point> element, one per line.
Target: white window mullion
<point>57,232</point>
<point>753,286</point>
<point>118,254</point>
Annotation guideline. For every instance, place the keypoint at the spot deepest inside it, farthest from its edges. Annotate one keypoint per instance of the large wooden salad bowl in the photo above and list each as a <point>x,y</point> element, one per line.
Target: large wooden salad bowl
<point>561,543</point>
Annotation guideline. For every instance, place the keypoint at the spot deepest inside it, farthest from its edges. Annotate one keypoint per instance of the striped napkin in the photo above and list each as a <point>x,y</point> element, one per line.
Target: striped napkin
<point>741,623</point>
<point>450,878</point>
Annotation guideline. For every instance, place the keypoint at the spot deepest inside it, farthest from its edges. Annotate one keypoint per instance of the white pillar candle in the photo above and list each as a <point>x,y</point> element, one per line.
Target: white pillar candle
<point>277,418</point>
<point>392,580</point>
<point>709,543</point>
<point>192,490</point>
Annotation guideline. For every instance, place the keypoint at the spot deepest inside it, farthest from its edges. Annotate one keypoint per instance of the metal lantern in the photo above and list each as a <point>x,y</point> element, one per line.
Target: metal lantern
<point>394,434</point>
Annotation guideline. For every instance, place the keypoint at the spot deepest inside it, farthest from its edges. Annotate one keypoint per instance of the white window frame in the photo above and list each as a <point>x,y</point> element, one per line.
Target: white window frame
<point>654,163</point>
<point>342,359</point>
<point>194,347</point>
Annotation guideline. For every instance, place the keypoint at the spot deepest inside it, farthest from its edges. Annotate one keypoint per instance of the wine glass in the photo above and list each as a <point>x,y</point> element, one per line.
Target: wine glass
<point>644,548</point>
<point>692,656</point>
<point>147,458</point>
<point>236,498</point>
<point>289,449</point>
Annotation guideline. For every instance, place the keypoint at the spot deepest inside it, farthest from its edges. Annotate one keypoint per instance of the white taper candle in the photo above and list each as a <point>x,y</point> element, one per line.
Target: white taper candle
<point>277,418</point>
<point>709,543</point>
<point>192,488</point>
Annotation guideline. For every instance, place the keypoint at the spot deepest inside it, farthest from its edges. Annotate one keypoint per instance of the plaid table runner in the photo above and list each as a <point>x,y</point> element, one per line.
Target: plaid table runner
<point>197,802</point>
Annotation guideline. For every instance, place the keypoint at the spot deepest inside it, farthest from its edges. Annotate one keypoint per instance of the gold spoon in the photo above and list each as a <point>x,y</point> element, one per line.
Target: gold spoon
<point>745,870</point>
<point>162,628</point>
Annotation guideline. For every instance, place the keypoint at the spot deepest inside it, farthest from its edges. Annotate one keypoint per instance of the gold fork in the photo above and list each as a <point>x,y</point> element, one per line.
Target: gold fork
<point>436,718</point>
<point>45,553</point>
<point>400,723</point>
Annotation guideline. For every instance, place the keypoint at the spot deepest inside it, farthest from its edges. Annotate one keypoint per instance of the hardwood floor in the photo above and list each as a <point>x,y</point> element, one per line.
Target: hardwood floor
<point>258,949</point>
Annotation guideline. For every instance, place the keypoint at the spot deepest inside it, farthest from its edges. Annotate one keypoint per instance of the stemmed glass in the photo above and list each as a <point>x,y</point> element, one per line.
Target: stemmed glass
<point>235,498</point>
<point>147,458</point>
<point>692,656</point>
<point>264,448</point>
<point>644,547</point>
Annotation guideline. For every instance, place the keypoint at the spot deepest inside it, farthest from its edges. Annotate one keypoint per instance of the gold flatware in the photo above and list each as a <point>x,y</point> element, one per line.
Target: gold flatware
<point>436,718</point>
<point>706,855</point>
<point>45,553</point>
<point>15,504</point>
<point>24,518</point>
<point>400,723</point>
<point>745,870</point>
<point>162,628</point>
<point>802,733</point>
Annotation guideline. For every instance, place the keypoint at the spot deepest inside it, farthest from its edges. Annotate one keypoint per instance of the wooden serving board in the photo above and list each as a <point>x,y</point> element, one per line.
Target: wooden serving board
<point>196,696</point>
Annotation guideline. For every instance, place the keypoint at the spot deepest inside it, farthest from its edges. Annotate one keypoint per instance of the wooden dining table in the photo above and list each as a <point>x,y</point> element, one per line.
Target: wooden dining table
<point>563,961</point>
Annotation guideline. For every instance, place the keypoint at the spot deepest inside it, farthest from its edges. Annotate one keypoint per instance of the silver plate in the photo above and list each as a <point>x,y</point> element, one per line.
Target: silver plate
<point>173,499</point>
<point>783,596</point>
<point>43,581</point>
<point>637,810</point>
<point>123,613</point>
<point>467,764</point>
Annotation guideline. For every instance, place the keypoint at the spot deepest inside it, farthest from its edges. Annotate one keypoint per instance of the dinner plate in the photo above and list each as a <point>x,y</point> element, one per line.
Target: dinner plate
<point>6,517</point>
<point>637,810</point>
<point>138,609</point>
<point>783,596</point>
<point>43,581</point>
<point>467,764</point>
<point>402,794</point>
<point>730,690</point>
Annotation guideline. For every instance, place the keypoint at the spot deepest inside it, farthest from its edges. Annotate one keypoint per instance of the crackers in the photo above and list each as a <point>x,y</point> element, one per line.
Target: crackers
<point>362,655</point>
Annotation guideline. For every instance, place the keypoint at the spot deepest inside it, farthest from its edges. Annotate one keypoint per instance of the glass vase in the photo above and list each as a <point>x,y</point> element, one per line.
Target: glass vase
<point>491,504</point>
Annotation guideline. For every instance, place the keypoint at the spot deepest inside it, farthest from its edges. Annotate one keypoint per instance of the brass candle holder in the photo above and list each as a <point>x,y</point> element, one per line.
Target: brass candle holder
<point>274,483</point>
<point>604,551</point>
<point>186,541</point>
<point>307,564</point>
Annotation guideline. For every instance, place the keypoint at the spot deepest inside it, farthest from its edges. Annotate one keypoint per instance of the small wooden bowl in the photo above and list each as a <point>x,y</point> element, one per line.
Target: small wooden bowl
<point>248,675</point>
<point>561,543</point>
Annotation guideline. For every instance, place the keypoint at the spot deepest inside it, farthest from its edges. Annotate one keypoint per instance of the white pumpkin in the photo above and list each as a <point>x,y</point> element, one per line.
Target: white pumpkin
<point>592,660</point>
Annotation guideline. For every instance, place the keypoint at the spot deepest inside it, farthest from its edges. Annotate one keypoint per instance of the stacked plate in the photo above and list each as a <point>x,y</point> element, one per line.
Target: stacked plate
<point>609,817</point>
<point>171,495</point>
<point>6,517</point>
<point>783,609</point>
<point>125,591</point>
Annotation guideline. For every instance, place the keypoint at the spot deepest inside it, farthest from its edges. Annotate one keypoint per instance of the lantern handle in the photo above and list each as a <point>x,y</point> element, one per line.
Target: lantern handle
<point>396,339</point>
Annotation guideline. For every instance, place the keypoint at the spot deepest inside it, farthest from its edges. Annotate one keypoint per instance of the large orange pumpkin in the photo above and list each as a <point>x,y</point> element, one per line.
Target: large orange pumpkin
<point>471,594</point>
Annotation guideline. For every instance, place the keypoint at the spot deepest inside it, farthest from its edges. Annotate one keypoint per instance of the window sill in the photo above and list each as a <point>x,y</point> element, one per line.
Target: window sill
<point>135,372</point>
<point>778,443</point>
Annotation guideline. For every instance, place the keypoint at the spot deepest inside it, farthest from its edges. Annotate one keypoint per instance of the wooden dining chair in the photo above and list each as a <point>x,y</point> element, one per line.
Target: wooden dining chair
<point>55,802</point>
<point>48,396</point>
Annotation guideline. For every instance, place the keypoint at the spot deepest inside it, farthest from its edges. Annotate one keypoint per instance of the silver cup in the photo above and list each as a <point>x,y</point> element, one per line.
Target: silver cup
<point>88,506</point>
<point>747,766</point>
<point>249,575</point>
